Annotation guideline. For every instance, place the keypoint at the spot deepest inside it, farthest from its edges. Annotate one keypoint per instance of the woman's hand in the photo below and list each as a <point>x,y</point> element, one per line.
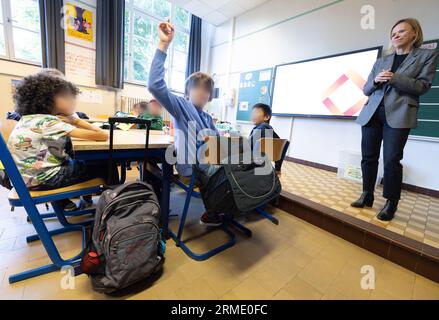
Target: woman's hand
<point>384,76</point>
<point>166,35</point>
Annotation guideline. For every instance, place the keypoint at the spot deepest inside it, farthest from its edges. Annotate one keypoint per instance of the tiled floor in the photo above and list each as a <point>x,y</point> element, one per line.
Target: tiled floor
<point>417,216</point>
<point>294,260</point>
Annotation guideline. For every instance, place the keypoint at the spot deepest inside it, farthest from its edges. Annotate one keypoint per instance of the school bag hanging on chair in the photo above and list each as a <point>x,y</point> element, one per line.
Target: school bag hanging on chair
<point>237,188</point>
<point>126,245</point>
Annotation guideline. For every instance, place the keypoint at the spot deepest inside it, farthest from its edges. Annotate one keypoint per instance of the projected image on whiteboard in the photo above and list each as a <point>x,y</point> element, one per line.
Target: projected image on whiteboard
<point>325,87</point>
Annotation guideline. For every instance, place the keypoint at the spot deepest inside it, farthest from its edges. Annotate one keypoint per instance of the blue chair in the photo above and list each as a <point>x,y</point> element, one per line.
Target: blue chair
<point>192,192</point>
<point>213,156</point>
<point>20,196</point>
<point>275,149</point>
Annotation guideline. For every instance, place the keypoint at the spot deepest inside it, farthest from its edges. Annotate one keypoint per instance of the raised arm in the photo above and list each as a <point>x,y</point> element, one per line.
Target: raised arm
<point>421,84</point>
<point>156,83</point>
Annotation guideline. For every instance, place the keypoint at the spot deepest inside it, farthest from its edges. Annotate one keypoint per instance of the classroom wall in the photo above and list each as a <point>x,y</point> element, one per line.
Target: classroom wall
<point>282,31</point>
<point>16,71</point>
<point>105,100</point>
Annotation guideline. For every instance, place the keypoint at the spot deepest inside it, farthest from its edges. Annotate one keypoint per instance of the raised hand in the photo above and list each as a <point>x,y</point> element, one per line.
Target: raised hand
<point>166,35</point>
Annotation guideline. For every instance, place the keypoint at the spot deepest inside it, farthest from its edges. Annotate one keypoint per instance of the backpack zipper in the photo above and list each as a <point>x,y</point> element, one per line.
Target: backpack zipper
<point>117,243</point>
<point>102,232</point>
<point>132,196</point>
<point>124,228</point>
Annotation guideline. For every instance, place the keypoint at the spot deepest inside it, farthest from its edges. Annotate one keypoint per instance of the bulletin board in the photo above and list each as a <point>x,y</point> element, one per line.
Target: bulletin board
<point>254,87</point>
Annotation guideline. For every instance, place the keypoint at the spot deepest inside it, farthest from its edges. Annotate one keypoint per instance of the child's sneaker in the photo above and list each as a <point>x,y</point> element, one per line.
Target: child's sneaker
<point>215,220</point>
<point>68,205</point>
<point>86,202</point>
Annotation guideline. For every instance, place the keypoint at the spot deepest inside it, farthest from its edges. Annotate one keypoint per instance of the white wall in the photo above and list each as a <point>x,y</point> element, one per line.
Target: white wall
<point>283,31</point>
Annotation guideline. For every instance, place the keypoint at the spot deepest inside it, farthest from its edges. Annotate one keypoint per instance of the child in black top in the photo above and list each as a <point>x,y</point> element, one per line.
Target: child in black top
<point>261,116</point>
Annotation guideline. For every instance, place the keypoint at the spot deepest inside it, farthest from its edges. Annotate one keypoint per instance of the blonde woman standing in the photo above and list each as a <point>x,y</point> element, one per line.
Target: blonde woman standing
<point>393,87</point>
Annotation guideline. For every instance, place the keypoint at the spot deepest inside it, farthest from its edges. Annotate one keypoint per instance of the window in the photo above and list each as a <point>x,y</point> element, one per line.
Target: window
<point>2,33</point>
<point>20,37</point>
<point>142,18</point>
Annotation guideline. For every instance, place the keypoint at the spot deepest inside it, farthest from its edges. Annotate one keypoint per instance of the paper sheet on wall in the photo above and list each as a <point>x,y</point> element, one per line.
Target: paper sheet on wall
<point>80,65</point>
<point>265,75</point>
<point>243,106</point>
<point>91,96</point>
<point>353,172</point>
<point>430,46</point>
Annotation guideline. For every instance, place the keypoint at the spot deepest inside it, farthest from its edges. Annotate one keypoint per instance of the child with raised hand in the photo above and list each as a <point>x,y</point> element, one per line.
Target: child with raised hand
<point>40,142</point>
<point>187,112</point>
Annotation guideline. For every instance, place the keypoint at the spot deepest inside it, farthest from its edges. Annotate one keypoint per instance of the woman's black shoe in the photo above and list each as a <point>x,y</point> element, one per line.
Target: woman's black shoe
<point>388,212</point>
<point>366,200</point>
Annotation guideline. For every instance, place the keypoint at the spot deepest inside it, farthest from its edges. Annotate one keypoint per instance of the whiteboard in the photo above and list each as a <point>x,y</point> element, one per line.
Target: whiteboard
<point>324,87</point>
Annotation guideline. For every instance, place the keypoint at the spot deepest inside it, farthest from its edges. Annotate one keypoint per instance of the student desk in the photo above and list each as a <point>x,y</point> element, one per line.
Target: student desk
<point>130,146</point>
<point>91,120</point>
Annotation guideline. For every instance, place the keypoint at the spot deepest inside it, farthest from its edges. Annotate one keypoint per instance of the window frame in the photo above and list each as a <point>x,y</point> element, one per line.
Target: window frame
<point>136,11</point>
<point>5,8</point>
<point>8,31</point>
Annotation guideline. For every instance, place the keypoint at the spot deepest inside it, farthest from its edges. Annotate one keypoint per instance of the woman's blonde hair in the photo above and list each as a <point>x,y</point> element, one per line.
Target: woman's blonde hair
<point>414,23</point>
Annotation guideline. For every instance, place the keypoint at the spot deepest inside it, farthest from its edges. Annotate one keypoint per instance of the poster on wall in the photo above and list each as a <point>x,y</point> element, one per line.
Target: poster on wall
<point>14,84</point>
<point>80,24</point>
<point>254,87</point>
<point>80,40</point>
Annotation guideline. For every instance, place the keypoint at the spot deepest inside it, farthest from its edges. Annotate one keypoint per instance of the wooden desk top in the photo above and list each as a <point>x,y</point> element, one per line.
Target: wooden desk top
<point>132,139</point>
<point>91,120</point>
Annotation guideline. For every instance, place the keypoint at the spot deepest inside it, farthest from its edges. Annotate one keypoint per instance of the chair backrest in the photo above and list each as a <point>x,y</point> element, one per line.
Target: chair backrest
<point>273,148</point>
<point>219,148</point>
<point>13,173</point>
<point>6,127</point>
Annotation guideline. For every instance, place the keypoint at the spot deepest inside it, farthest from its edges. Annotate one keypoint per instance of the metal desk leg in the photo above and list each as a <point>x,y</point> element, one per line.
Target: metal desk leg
<point>166,194</point>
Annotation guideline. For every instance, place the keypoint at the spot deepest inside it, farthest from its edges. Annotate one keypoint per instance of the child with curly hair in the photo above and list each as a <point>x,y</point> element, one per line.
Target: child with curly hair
<point>40,141</point>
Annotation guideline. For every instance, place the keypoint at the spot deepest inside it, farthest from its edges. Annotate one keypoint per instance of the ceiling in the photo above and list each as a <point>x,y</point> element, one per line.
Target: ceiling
<point>217,12</point>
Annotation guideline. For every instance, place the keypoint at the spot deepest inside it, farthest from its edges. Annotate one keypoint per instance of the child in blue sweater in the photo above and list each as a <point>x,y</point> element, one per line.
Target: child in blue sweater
<point>187,112</point>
